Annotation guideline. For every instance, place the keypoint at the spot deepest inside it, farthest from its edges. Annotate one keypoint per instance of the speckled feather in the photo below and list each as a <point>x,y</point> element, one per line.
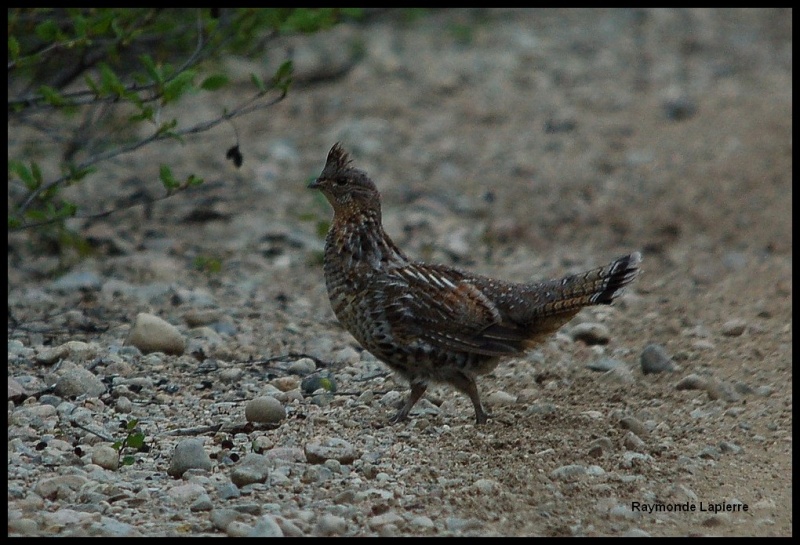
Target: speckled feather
<point>433,322</point>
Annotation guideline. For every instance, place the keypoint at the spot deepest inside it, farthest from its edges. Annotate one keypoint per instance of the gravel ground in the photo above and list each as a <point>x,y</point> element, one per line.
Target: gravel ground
<point>521,144</point>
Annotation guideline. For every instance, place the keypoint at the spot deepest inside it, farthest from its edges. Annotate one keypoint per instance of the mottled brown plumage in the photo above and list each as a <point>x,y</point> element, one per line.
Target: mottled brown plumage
<point>433,322</point>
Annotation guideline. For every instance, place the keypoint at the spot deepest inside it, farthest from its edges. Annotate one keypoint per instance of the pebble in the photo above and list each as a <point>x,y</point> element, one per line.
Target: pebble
<point>634,425</point>
<point>692,382</point>
<point>621,374</point>
<point>266,527</point>
<point>253,468</point>
<point>500,398</point>
<point>196,317</point>
<point>486,486</point>
<point>221,518</point>
<point>319,450</point>
<point>52,354</point>
<point>568,472</point>
<point>79,381</point>
<point>330,525</point>
<point>152,334</point>
<point>655,359</point>
<point>189,454</point>
<point>600,446</point>
<point>286,384</point>
<point>605,364</point>
<point>633,442</point>
<point>16,391</point>
<point>106,457</point>
<point>320,381</point>
<point>734,328</point>
<point>302,367</point>
<point>422,522</point>
<point>591,333</point>
<point>347,355</point>
<point>77,280</point>
<point>264,409</point>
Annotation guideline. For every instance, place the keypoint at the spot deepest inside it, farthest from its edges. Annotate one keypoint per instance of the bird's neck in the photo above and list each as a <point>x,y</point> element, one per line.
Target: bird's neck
<point>361,240</point>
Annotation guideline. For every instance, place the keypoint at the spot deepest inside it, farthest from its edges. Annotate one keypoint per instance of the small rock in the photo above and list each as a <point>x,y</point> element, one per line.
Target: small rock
<point>264,409</point>
<point>252,469</point>
<point>591,333</point>
<point>384,519</point>
<point>422,522</point>
<point>196,317</point>
<point>285,384</point>
<point>106,457</point>
<point>221,518</point>
<point>16,392</point>
<point>52,354</point>
<point>600,446</point>
<point>78,280</point>
<point>302,367</point>
<point>605,364</point>
<point>692,382</point>
<point>568,472</point>
<point>231,375</point>
<point>330,525</point>
<point>633,442</point>
<point>266,527</point>
<point>79,381</point>
<point>634,425</point>
<point>152,334</point>
<point>728,447</point>
<point>238,529</point>
<point>679,109</point>
<point>486,486</point>
<point>621,374</point>
<point>501,398</point>
<point>347,355</point>
<point>319,450</point>
<point>321,381</point>
<point>734,328</point>
<point>655,359</point>
<point>189,454</point>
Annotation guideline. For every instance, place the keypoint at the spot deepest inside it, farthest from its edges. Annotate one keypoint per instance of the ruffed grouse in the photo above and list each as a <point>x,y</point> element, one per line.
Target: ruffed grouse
<point>433,322</point>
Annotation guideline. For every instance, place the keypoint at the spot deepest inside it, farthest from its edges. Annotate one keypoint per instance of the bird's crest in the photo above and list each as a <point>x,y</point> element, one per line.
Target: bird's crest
<point>338,159</point>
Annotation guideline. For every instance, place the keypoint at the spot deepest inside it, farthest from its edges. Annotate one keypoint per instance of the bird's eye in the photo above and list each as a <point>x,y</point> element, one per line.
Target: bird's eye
<point>341,181</point>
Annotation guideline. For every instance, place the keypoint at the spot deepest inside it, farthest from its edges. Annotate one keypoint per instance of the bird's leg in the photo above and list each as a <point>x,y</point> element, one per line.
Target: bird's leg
<point>417,391</point>
<point>466,384</point>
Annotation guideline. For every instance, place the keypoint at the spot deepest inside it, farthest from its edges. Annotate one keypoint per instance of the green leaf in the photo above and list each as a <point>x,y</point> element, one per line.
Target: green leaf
<point>177,86</point>
<point>90,83</point>
<point>37,173</point>
<point>212,83</point>
<point>47,30</point>
<point>52,96</point>
<point>128,460</point>
<point>109,82</point>
<point>169,181</point>
<point>167,126</point>
<point>74,173</point>
<point>13,47</point>
<point>151,68</point>
<point>136,440</point>
<point>146,113</point>
<point>283,76</point>
<point>132,423</point>
<point>23,173</point>
<point>193,180</point>
<point>258,82</point>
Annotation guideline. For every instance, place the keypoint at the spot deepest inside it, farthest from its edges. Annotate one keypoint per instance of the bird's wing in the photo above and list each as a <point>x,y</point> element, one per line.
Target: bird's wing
<point>442,307</point>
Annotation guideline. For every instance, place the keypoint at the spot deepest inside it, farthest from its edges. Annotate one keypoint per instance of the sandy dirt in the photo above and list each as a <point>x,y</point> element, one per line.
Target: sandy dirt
<point>519,144</point>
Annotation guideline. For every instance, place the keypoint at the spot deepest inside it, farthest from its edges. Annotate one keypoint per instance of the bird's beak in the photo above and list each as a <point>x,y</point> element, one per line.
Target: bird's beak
<point>314,184</point>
